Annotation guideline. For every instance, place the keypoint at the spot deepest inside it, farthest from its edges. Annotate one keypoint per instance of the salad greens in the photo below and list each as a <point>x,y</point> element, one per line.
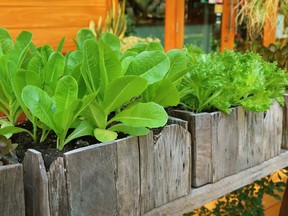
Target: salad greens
<point>219,81</point>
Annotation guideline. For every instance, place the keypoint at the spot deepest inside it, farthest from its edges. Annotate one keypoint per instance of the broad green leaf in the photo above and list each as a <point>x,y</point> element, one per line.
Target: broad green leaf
<point>178,61</point>
<point>105,135</point>
<point>60,45</point>
<point>95,114</point>
<point>10,130</point>
<point>39,103</point>
<point>110,66</point>
<point>121,91</point>
<point>142,115</point>
<point>125,64</point>
<point>36,65</point>
<point>21,46</point>
<point>138,47</point>
<point>55,67</point>
<point>21,79</point>
<point>83,35</point>
<point>74,59</point>
<point>65,93</point>
<point>153,46</point>
<point>151,65</point>
<point>84,129</point>
<point>86,100</point>
<point>126,129</point>
<point>5,41</point>
<point>90,67</point>
<point>163,93</point>
<point>113,41</point>
<point>46,51</point>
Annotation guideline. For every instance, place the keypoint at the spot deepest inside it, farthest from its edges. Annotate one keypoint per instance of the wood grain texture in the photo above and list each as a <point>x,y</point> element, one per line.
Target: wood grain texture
<point>272,131</point>
<point>49,21</point>
<point>104,179</point>
<point>35,184</point>
<point>224,144</point>
<point>165,166</point>
<point>199,125</point>
<point>50,3</point>
<point>200,196</point>
<point>284,144</point>
<point>12,190</point>
<point>250,129</point>
<point>59,17</point>
<point>58,200</point>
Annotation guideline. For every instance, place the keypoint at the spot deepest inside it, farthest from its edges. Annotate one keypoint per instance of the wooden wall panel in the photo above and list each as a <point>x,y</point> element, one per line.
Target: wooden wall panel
<point>51,20</point>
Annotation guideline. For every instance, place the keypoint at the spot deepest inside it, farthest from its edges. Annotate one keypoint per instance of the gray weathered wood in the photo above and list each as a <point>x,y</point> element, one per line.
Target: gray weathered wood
<point>35,184</point>
<point>182,123</point>
<point>165,166</point>
<point>285,123</point>
<point>250,129</point>
<point>12,190</point>
<point>224,144</point>
<point>200,196</point>
<point>104,179</point>
<point>57,188</point>
<point>199,126</point>
<point>272,131</point>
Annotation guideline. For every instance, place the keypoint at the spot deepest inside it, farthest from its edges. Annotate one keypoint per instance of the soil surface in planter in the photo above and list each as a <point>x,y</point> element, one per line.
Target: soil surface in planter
<point>48,146</point>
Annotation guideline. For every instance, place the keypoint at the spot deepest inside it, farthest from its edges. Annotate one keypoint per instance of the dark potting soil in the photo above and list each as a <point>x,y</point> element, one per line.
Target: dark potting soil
<point>48,146</point>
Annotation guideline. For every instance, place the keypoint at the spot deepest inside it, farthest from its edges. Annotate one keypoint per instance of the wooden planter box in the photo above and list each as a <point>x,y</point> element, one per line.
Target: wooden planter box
<point>285,124</point>
<point>12,190</point>
<point>129,176</point>
<point>223,145</point>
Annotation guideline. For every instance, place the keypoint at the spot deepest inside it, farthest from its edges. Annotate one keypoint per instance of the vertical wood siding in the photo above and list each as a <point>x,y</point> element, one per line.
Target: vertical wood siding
<point>51,20</point>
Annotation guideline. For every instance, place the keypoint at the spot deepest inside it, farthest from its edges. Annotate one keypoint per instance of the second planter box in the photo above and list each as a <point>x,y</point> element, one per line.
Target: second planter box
<point>224,144</point>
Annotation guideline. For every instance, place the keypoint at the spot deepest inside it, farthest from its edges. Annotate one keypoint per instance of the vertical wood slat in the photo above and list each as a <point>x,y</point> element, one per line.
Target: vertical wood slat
<point>250,129</point>
<point>104,179</point>
<point>36,184</point>
<point>224,144</point>
<point>174,24</point>
<point>58,200</point>
<point>285,124</point>
<point>199,125</point>
<point>228,25</point>
<point>165,166</point>
<point>272,131</point>
<point>12,190</point>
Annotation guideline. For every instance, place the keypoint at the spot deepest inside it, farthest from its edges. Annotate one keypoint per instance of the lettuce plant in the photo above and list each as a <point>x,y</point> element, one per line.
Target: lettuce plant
<point>59,111</point>
<point>12,58</point>
<point>219,81</point>
<point>116,108</point>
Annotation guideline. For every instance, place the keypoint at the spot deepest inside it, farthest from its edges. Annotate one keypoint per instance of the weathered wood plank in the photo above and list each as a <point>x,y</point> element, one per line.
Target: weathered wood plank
<point>12,190</point>
<point>182,123</point>
<point>250,129</point>
<point>199,125</point>
<point>200,196</point>
<point>272,131</point>
<point>284,144</point>
<point>35,184</point>
<point>57,188</point>
<point>165,166</point>
<point>104,179</point>
<point>224,144</point>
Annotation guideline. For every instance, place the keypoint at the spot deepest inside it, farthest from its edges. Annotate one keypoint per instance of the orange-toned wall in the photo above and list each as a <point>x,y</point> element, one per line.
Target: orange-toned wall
<point>50,20</point>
